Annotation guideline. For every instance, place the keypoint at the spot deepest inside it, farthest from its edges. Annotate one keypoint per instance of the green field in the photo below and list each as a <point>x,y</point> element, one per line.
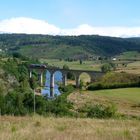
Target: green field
<point>132,66</point>
<point>130,55</point>
<point>127,100</point>
<point>87,65</point>
<point>129,94</point>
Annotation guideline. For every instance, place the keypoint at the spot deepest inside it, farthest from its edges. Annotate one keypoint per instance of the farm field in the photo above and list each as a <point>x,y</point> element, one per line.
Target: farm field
<point>50,128</point>
<point>127,100</point>
<point>132,66</point>
<point>87,65</point>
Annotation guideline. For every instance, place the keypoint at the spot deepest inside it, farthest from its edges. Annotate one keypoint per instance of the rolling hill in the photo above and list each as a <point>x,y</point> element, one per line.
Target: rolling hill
<point>84,46</point>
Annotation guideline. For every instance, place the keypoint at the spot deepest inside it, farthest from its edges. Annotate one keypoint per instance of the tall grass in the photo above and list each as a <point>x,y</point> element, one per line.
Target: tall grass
<point>40,128</point>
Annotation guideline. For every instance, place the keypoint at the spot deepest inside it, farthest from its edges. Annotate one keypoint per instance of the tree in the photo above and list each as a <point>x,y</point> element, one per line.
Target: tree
<point>81,84</point>
<point>69,74</point>
<point>65,67</point>
<point>33,83</point>
<point>14,103</point>
<point>109,66</point>
<point>113,65</point>
<point>106,67</point>
<point>81,62</point>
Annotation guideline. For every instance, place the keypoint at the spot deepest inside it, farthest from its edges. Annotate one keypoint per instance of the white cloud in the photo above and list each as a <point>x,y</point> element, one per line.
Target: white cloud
<point>35,26</point>
<point>105,31</point>
<point>27,25</point>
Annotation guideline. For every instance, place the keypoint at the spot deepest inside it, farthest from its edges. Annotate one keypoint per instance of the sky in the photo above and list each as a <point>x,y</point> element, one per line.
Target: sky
<point>118,18</point>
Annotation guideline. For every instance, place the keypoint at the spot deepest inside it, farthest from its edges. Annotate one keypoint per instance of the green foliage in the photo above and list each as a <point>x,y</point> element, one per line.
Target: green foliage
<point>63,47</point>
<point>21,102</point>
<point>130,55</point>
<point>113,77</point>
<point>19,56</point>
<point>66,89</point>
<point>107,67</point>
<point>100,111</point>
<point>18,68</point>
<point>81,84</point>
<point>17,103</point>
<point>59,107</point>
<point>69,74</point>
<point>32,82</point>
<point>65,67</point>
<point>40,104</point>
<point>2,104</point>
<point>98,86</point>
<point>81,62</point>
<point>14,104</point>
<point>116,80</point>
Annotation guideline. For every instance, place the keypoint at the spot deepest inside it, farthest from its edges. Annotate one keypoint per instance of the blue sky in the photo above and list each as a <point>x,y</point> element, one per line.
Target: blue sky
<point>69,14</point>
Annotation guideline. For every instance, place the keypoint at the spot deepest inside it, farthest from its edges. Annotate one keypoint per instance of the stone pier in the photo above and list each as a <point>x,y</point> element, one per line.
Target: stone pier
<point>40,72</point>
<point>64,78</point>
<point>51,84</point>
<point>94,75</point>
<point>77,81</point>
<point>30,74</point>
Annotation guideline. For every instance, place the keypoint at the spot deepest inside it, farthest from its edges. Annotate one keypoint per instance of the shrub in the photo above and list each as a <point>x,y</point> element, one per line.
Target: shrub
<point>106,67</point>
<point>59,106</point>
<point>14,104</point>
<point>66,89</point>
<point>98,86</point>
<point>113,77</point>
<point>100,111</point>
<point>116,80</point>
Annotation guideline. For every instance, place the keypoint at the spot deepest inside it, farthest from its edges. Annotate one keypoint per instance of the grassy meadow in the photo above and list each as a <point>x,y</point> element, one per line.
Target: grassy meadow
<point>50,128</point>
<point>127,100</point>
<point>132,66</point>
<point>87,65</point>
<point>37,127</point>
<point>130,55</point>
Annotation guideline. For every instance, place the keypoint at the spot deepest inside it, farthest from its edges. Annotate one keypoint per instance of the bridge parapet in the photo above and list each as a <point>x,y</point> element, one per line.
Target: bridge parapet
<point>52,69</point>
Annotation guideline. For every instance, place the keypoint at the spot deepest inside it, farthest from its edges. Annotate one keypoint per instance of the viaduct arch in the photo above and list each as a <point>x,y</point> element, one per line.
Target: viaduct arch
<point>40,68</point>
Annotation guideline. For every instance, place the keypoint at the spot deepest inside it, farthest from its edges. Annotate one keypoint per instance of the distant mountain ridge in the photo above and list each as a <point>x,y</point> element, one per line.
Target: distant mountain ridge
<point>84,46</point>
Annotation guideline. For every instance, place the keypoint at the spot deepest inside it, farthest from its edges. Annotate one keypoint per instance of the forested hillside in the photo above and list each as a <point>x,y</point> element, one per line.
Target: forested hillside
<point>85,46</point>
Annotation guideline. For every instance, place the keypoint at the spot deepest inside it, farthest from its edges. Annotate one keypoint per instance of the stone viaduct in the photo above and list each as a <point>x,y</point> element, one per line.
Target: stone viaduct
<point>40,68</point>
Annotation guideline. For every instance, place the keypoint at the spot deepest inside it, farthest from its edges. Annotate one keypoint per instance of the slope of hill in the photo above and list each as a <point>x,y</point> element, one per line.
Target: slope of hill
<point>85,46</point>
<point>126,102</point>
<point>7,82</point>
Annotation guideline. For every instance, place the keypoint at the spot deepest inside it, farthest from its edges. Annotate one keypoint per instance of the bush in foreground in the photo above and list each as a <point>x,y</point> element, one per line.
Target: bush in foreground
<point>101,111</point>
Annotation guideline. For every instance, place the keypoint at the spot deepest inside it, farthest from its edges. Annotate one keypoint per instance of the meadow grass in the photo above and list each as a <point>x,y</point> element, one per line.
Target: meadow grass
<point>86,65</point>
<point>127,100</point>
<point>129,94</point>
<point>130,55</point>
<point>50,128</point>
<point>132,66</point>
